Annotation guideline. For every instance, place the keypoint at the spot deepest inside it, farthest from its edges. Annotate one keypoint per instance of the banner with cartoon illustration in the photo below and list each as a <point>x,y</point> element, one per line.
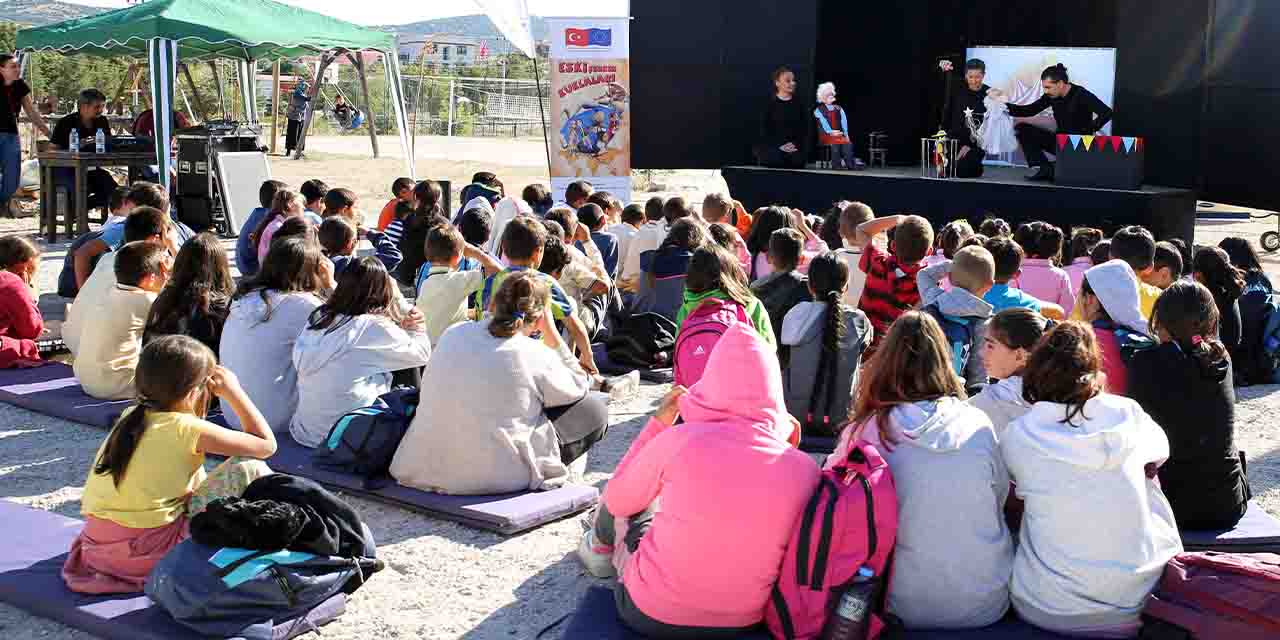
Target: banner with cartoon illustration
<point>590,119</point>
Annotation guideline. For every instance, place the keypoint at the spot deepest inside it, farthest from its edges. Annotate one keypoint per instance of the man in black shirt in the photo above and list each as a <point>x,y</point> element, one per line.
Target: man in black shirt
<point>784,129</point>
<point>967,98</point>
<point>87,121</point>
<point>1076,110</point>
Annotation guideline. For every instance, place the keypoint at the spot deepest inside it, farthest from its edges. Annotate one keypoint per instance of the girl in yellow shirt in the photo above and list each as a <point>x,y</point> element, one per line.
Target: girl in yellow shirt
<point>148,476</point>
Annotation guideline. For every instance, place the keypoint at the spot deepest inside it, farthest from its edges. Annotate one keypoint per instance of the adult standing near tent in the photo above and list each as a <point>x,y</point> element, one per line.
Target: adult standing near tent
<point>16,95</point>
<point>296,115</point>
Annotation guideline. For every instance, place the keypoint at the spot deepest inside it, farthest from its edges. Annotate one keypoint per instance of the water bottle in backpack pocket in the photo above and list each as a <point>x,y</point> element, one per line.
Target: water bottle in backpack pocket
<point>701,330</point>
<point>833,573</point>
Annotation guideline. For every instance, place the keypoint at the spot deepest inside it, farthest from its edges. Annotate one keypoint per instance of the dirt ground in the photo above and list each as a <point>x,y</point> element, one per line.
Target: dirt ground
<point>445,580</point>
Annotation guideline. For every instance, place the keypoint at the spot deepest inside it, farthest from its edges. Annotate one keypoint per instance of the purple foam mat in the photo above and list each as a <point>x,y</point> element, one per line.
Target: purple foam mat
<point>1257,532</point>
<point>53,390</point>
<point>596,618</point>
<point>506,513</point>
<point>31,558</point>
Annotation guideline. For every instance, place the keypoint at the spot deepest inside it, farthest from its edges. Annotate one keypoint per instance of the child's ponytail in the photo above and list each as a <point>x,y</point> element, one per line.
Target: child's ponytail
<point>1187,313</point>
<point>1066,368</point>
<point>170,368</point>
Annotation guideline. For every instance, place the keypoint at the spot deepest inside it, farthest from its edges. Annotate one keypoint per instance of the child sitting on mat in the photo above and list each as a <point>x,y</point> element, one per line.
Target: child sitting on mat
<point>1010,337</point>
<point>339,237</point>
<point>286,204</point>
<point>1186,385</point>
<point>1041,277</point>
<point>1087,558</point>
<point>402,192</point>
<point>714,274</point>
<point>890,287</point>
<point>950,480</point>
<point>148,477</point>
<point>351,346</point>
<point>442,295</point>
<point>20,320</point>
<point>1109,302</point>
<point>109,346</point>
<point>1083,241</point>
<point>546,419</point>
<point>1005,294</point>
<point>268,312</point>
<point>681,578</point>
<point>786,287</point>
<point>197,297</point>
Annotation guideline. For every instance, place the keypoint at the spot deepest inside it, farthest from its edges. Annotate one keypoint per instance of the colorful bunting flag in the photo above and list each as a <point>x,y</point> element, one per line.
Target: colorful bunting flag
<point>1062,141</point>
<point>1088,141</point>
<point>1075,141</point>
<point>1128,144</point>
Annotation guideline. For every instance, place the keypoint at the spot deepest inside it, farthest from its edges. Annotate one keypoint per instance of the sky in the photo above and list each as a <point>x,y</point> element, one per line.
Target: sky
<point>380,12</point>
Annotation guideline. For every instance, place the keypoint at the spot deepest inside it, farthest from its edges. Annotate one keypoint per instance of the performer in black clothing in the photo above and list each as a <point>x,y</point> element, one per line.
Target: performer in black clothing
<point>784,129</point>
<point>86,120</point>
<point>1075,108</point>
<point>966,97</point>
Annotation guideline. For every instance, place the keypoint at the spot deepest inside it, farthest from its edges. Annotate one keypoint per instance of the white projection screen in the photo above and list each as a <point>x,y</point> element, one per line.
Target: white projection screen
<point>1016,71</point>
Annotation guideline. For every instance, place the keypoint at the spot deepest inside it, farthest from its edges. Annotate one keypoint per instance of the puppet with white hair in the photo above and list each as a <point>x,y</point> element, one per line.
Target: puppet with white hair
<point>833,128</point>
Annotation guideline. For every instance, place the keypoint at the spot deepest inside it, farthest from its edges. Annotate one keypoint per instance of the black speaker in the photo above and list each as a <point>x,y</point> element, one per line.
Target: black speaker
<point>198,213</point>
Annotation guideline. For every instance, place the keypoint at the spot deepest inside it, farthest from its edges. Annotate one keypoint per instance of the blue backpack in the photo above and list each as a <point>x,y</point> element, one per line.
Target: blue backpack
<point>363,442</point>
<point>959,332</point>
<point>228,592</point>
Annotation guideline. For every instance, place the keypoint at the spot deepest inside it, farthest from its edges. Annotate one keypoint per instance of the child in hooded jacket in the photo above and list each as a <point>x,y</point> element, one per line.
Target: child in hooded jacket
<point>954,553</point>
<point>714,274</point>
<point>1010,337</point>
<point>1087,558</point>
<point>678,577</point>
<point>1109,302</point>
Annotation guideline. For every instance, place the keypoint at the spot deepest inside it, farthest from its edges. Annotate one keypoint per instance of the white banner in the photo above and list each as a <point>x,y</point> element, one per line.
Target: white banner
<point>590,116</point>
<point>511,17</point>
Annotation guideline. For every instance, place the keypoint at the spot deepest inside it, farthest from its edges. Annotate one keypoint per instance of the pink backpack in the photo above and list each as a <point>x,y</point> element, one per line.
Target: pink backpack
<point>1216,596</point>
<point>850,522</point>
<point>702,329</point>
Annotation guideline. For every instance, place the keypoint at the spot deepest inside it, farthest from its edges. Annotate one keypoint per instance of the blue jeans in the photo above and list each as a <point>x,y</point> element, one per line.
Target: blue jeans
<point>10,165</point>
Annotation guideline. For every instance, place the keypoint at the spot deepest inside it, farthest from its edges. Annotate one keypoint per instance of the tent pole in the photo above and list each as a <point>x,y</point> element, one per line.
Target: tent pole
<point>217,85</point>
<point>275,104</point>
<point>358,61</point>
<point>325,60</point>
<point>537,83</point>
<point>195,93</point>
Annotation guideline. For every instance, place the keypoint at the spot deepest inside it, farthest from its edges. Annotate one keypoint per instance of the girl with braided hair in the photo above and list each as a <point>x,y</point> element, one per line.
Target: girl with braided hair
<point>822,344</point>
<point>148,478</point>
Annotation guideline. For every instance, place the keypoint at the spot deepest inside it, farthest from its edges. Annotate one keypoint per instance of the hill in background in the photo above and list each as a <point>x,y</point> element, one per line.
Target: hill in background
<point>476,26</point>
<point>42,12</point>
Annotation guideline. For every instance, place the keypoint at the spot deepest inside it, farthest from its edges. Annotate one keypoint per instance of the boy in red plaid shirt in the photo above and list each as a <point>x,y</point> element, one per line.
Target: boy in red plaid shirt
<point>891,276</point>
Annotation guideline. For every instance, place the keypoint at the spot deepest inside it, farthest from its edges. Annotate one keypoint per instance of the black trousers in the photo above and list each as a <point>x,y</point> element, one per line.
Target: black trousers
<point>970,166</point>
<point>1035,143</point>
<point>579,425</point>
<point>291,135</point>
<point>771,156</point>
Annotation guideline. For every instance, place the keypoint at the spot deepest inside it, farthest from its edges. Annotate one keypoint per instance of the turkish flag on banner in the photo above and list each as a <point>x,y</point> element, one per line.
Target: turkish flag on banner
<point>577,37</point>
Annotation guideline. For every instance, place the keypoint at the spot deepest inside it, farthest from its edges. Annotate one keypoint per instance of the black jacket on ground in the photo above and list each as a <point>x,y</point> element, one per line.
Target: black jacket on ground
<point>1204,476</point>
<point>1079,112</point>
<point>332,527</point>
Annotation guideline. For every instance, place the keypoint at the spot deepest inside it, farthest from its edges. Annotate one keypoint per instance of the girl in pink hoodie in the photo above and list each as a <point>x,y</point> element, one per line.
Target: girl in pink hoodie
<point>1040,277</point>
<point>731,486</point>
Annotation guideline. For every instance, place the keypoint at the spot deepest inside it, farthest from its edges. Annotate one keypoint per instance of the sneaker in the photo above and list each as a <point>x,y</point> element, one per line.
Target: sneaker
<point>621,387</point>
<point>595,556</point>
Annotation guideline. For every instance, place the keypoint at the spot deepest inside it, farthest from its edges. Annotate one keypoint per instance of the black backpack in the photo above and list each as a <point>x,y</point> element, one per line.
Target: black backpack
<point>363,442</point>
<point>642,340</point>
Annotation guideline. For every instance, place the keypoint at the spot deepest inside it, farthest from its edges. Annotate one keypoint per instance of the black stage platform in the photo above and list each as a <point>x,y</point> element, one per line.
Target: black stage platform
<point>1002,192</point>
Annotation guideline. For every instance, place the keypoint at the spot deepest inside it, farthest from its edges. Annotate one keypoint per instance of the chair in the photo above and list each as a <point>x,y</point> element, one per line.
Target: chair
<point>876,151</point>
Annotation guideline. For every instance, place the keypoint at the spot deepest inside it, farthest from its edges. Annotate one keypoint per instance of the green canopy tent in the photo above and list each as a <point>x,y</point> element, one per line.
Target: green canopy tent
<point>166,31</point>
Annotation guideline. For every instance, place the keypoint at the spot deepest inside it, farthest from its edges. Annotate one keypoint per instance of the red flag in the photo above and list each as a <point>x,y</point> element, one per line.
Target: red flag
<point>577,37</point>
<point>1062,141</point>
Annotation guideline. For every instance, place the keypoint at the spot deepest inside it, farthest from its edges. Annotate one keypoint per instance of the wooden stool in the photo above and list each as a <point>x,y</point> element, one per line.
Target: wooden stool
<point>876,152</point>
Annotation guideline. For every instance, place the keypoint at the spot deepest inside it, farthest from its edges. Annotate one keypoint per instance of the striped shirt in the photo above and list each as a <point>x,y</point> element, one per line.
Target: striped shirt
<point>394,231</point>
<point>890,289</point>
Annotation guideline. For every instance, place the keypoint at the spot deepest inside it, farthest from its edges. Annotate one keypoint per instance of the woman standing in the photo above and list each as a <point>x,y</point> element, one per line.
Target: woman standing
<point>15,94</point>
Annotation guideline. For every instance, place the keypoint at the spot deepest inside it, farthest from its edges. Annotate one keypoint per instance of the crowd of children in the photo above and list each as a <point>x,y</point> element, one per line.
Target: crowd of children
<point>950,353</point>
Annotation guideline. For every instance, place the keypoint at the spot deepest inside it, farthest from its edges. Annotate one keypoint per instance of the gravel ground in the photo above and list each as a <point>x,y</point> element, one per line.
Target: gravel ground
<point>445,580</point>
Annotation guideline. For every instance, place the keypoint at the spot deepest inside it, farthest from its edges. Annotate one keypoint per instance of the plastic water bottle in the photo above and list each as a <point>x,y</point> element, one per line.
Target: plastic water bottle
<point>852,617</point>
<point>100,142</point>
<point>75,141</point>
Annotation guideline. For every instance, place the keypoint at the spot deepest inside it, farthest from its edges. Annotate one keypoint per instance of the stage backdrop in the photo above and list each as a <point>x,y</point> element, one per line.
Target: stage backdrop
<point>590,120</point>
<point>1016,71</point>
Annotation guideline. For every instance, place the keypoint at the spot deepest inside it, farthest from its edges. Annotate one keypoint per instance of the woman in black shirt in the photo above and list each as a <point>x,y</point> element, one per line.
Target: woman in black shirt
<point>1075,109</point>
<point>784,129</point>
<point>15,95</point>
<point>1185,384</point>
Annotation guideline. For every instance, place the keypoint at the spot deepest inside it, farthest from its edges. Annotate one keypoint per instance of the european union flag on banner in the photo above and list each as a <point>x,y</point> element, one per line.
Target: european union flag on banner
<point>588,37</point>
